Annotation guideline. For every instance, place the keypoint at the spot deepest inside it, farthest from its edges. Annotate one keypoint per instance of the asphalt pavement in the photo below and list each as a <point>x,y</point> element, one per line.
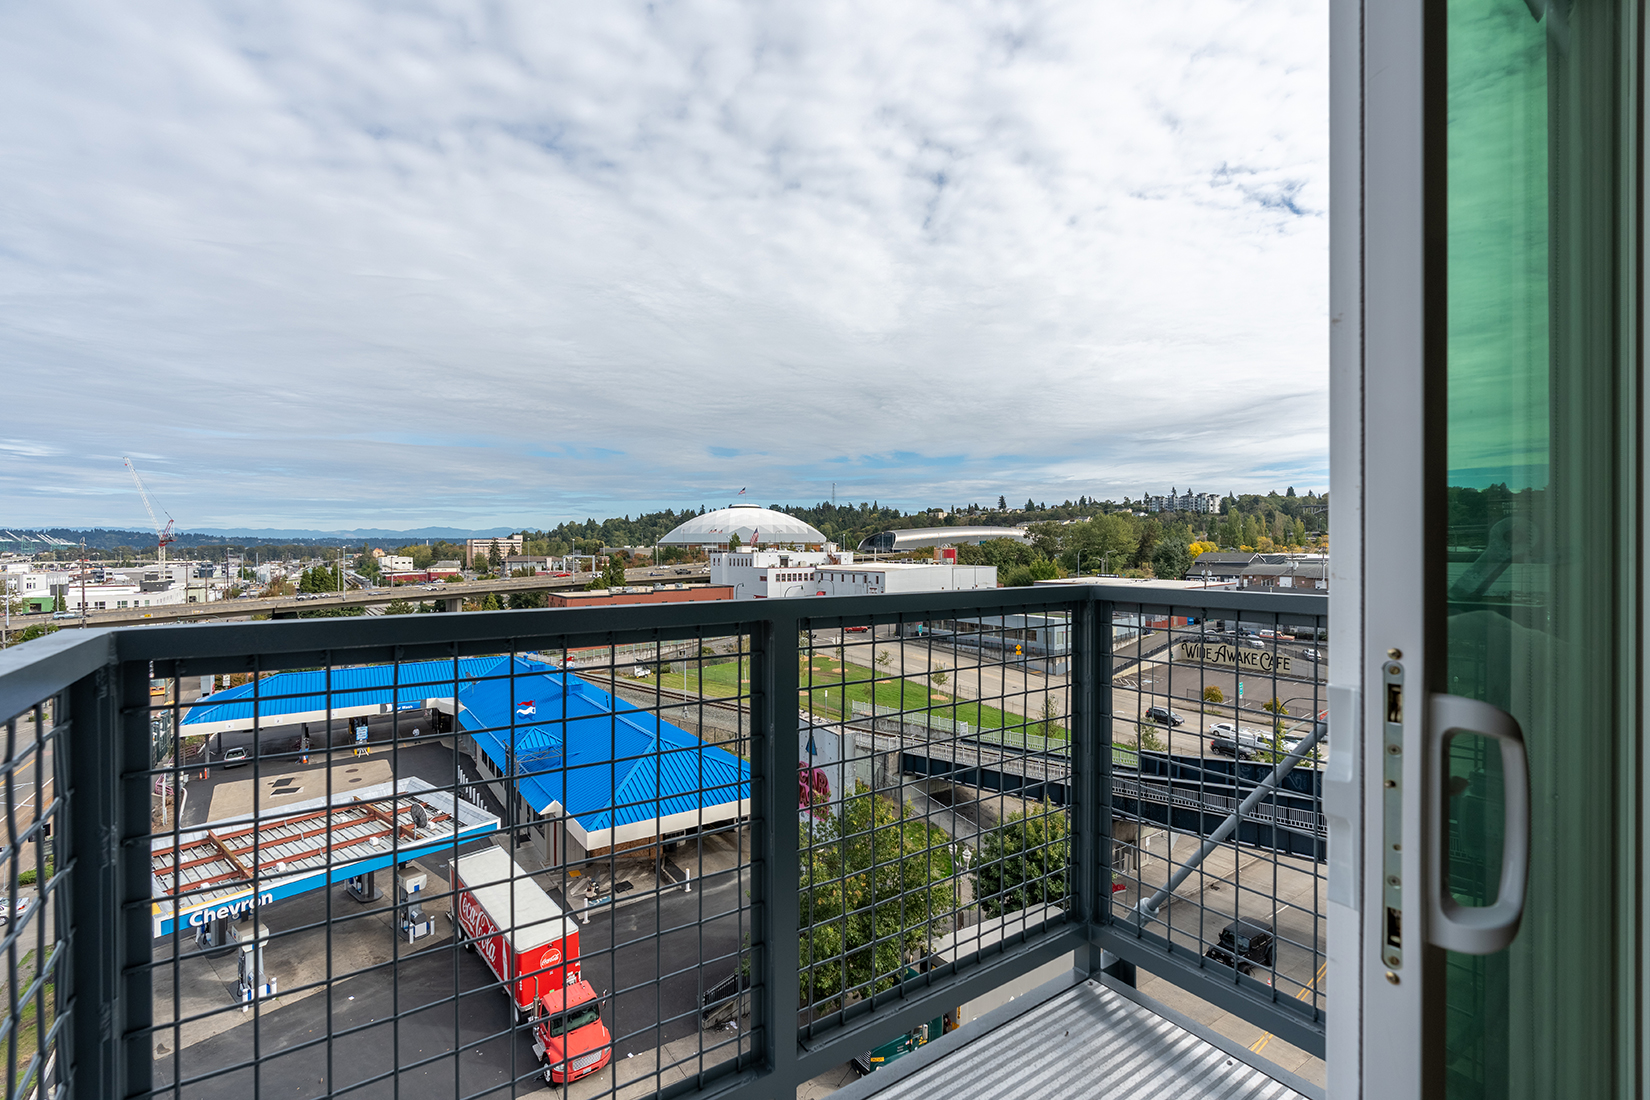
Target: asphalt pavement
<point>455,1021</point>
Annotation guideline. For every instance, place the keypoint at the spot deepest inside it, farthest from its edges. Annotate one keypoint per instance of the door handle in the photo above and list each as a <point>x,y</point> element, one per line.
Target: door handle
<point>1477,929</point>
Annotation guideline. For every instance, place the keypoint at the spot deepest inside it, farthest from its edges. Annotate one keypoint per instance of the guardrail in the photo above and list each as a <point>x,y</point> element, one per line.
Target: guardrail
<point>765,841</point>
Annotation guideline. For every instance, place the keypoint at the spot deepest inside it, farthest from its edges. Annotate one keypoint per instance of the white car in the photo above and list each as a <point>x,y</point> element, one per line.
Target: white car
<point>640,672</point>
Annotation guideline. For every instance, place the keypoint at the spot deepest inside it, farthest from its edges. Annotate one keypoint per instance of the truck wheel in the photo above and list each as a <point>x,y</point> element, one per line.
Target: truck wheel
<point>549,1076</point>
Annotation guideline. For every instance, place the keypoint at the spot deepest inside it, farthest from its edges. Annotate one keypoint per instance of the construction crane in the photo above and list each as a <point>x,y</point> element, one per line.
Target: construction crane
<point>163,534</point>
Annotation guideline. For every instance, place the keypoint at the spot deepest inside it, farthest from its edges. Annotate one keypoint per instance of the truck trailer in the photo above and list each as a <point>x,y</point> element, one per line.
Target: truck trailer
<point>532,947</point>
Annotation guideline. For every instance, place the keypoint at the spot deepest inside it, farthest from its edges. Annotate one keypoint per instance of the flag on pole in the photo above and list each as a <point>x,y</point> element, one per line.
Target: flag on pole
<point>740,493</point>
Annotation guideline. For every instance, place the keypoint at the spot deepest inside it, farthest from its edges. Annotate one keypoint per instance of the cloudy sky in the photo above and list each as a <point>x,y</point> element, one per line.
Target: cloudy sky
<point>333,264</point>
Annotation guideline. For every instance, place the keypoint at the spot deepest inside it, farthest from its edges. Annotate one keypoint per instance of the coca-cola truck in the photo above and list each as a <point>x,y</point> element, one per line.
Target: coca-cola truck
<point>533,949</point>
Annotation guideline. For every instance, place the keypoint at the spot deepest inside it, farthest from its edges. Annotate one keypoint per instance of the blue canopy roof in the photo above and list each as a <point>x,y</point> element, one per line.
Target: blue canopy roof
<point>297,695</point>
<point>605,762</point>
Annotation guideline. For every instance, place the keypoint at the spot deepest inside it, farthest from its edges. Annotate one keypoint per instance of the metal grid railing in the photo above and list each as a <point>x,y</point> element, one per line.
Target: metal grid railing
<point>462,855</point>
<point>1206,708</point>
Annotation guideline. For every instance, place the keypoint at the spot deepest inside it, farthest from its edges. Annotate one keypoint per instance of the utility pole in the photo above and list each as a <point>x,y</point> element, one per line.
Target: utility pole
<point>83,566</point>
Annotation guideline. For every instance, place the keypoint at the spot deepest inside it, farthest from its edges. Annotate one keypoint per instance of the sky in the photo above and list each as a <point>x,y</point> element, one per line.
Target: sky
<point>329,264</point>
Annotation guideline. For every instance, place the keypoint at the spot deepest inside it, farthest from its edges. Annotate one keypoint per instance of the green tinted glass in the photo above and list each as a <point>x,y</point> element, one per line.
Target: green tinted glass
<point>1539,454</point>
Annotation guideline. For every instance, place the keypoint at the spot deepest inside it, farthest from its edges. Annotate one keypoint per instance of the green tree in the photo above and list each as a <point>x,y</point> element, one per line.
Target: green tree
<point>939,676</point>
<point>1050,716</point>
<point>31,632</point>
<point>611,576</point>
<point>734,542</point>
<point>1173,557</point>
<point>874,885</point>
<point>1046,538</point>
<point>320,579</point>
<point>1025,861</point>
<point>399,607</point>
<point>1146,543</point>
<point>1102,544</point>
<point>1213,694</point>
<point>1023,576</point>
<point>523,600</point>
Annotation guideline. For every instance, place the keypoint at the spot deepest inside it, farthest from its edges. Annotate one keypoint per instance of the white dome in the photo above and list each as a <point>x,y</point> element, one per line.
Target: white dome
<point>751,522</point>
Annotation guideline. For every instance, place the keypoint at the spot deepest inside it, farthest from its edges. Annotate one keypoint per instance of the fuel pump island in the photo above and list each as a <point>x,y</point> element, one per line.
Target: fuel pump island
<point>209,876</point>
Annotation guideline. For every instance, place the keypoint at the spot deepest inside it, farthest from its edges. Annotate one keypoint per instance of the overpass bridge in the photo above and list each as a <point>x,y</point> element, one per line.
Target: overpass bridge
<point>450,596</point>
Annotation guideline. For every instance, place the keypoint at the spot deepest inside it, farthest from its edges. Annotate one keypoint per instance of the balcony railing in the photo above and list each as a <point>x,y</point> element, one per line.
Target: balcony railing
<point>775,837</point>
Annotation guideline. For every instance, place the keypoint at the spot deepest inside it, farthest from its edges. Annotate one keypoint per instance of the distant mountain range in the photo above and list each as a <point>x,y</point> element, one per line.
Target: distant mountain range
<point>33,539</point>
<point>356,533</point>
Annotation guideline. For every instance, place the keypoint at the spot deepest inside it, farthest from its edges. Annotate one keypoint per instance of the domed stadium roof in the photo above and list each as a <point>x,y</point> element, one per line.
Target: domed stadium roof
<point>752,523</point>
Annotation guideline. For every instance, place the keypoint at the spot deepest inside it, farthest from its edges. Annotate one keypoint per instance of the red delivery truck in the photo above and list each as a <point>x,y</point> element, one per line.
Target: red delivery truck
<point>533,949</point>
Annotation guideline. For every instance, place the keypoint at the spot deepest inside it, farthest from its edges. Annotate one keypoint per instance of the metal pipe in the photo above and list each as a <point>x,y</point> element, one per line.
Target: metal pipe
<point>1148,908</point>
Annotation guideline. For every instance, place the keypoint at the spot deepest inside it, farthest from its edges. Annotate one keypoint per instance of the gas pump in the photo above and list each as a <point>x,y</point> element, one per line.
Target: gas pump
<point>215,935</point>
<point>364,887</point>
<point>415,923</point>
<point>254,983</point>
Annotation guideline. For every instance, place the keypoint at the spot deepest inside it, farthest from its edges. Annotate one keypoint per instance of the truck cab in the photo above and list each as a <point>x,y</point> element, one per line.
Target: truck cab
<point>569,1037</point>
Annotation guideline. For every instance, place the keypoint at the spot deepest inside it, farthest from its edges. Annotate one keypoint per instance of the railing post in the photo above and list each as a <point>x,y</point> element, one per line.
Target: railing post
<point>1097,777</point>
<point>109,855</point>
<point>773,777</point>
<point>1084,799</point>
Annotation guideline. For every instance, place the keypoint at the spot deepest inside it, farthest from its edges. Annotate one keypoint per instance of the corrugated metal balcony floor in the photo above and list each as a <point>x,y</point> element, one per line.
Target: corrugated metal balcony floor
<point>1092,1041</point>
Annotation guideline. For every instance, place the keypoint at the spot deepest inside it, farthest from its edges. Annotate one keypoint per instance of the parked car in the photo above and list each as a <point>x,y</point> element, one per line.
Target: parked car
<point>10,910</point>
<point>1163,716</point>
<point>1228,740</point>
<point>1311,655</point>
<point>855,629</point>
<point>1244,944</point>
<point>234,756</point>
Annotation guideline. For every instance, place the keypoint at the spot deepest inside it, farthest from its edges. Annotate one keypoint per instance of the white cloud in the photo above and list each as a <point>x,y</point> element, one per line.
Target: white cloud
<point>335,264</point>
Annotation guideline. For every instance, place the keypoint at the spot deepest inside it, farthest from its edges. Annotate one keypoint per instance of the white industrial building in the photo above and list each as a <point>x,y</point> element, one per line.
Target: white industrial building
<point>783,574</point>
<point>771,574</point>
<point>875,578</point>
<point>109,596</point>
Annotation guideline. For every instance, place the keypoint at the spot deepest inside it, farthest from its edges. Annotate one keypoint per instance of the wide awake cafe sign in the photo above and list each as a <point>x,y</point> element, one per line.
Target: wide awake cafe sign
<point>1234,656</point>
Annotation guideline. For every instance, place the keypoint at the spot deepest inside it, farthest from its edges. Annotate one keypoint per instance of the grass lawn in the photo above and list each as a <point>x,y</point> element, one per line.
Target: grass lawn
<point>835,688</point>
<point>28,1028</point>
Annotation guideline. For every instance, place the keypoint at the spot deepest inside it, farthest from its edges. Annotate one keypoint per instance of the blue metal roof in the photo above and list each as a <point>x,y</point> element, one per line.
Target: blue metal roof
<point>289,693</point>
<point>607,763</point>
<point>624,765</point>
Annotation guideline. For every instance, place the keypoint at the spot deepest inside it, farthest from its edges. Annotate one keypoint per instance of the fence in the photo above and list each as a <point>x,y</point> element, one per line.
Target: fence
<point>349,919</point>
